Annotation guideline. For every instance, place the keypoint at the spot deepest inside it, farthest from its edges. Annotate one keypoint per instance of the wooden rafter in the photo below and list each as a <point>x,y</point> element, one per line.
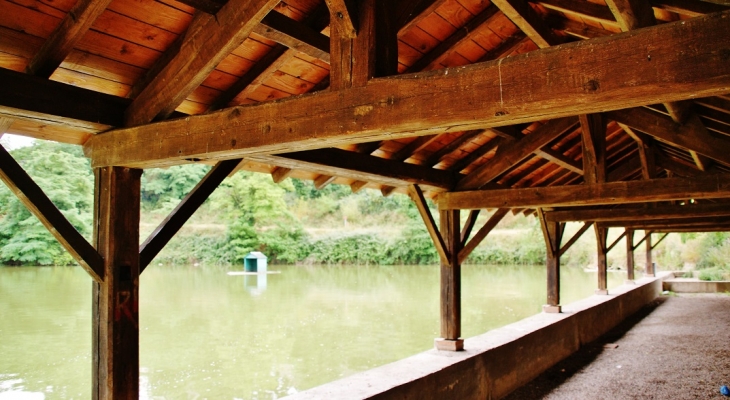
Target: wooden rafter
<point>208,40</point>
<point>708,187</point>
<point>514,152</point>
<point>349,116</point>
<point>295,35</point>
<point>167,229</point>
<point>33,198</point>
<point>416,195</point>
<point>593,130</point>
<point>522,15</point>
<point>344,17</point>
<point>691,8</point>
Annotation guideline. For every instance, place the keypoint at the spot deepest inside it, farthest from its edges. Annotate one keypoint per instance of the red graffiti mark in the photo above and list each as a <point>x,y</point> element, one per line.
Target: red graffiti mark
<point>125,307</point>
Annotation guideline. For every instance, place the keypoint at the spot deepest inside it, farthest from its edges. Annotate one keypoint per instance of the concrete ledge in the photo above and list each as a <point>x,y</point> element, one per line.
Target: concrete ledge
<point>696,286</point>
<point>494,364</point>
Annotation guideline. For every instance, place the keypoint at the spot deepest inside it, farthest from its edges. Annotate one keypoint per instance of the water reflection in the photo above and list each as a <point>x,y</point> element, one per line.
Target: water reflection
<point>205,334</point>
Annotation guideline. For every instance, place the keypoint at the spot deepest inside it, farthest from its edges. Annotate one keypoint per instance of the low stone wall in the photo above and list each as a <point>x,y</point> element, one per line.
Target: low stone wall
<point>696,286</point>
<point>499,361</point>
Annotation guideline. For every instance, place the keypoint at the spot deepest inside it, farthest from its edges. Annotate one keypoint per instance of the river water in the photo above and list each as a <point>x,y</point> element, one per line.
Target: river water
<point>206,334</point>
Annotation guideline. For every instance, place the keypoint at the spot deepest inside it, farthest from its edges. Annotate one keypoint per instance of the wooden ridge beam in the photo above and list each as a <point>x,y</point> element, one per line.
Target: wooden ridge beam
<point>482,233</point>
<point>692,136</point>
<point>529,22</point>
<point>513,153</point>
<point>713,186</point>
<point>63,39</point>
<point>452,99</point>
<point>295,35</point>
<point>208,40</point>
<point>416,195</point>
<point>33,198</point>
<point>644,214</point>
<point>167,229</point>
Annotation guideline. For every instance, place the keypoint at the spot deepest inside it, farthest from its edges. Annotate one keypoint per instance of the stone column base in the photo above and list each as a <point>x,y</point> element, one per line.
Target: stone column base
<point>551,309</point>
<point>602,292</point>
<point>449,344</point>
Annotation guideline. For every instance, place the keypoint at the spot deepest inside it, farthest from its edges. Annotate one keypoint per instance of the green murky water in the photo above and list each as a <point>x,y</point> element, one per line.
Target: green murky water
<point>205,334</point>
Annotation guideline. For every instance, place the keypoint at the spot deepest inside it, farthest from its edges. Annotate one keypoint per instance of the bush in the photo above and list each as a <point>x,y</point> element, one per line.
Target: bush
<point>712,274</point>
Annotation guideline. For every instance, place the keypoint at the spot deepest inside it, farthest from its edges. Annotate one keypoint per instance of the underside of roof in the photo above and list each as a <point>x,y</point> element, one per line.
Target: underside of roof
<point>450,95</point>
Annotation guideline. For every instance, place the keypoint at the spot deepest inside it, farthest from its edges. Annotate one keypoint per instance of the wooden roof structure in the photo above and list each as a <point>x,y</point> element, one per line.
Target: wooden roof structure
<point>613,112</point>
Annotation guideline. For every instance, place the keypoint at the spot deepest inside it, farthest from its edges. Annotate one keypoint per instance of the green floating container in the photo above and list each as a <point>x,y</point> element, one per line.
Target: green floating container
<point>255,261</point>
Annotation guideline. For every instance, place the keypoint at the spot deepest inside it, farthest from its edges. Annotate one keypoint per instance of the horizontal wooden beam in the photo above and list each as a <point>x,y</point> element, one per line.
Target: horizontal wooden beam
<point>643,214</point>
<point>364,167</point>
<point>33,198</point>
<point>184,210</point>
<point>483,95</point>
<point>669,224</point>
<point>714,186</point>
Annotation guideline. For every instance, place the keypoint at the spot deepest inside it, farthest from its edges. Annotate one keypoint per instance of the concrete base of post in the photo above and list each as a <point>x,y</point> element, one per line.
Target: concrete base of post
<point>601,292</point>
<point>442,344</point>
<point>551,309</point>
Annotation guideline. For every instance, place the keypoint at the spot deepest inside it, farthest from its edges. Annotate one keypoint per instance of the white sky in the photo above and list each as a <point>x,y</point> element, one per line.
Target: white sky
<point>12,142</point>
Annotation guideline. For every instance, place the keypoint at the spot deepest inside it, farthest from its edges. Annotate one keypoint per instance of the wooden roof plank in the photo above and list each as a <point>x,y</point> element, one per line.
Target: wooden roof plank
<point>468,98</point>
<point>208,40</point>
<point>522,15</point>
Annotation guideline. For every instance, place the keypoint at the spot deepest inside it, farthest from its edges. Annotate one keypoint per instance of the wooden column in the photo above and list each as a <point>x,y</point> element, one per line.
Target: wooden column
<point>115,335</point>
<point>601,235</point>
<point>553,233</point>
<point>649,262</point>
<point>450,284</point>
<point>630,255</point>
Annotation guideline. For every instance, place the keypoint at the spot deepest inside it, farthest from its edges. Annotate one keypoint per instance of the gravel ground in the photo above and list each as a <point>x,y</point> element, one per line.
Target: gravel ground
<point>674,348</point>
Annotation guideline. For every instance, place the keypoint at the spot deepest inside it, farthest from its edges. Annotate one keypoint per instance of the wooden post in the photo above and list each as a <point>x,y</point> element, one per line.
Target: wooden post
<point>115,335</point>
<point>450,284</point>
<point>649,263</point>
<point>601,235</point>
<point>630,255</point>
<point>553,233</point>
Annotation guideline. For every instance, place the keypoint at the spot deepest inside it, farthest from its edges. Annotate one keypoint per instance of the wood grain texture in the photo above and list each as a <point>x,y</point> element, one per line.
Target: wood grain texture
<point>481,234</point>
<point>63,39</point>
<point>586,225</point>
<point>115,331</point>
<point>451,276</point>
<point>553,234</point>
<point>644,214</point>
<point>522,15</point>
<point>36,201</point>
<point>416,195</point>
<point>452,99</point>
<point>294,35</point>
<point>601,259</point>
<point>593,133</point>
<point>708,187</point>
<point>208,41</point>
<point>629,233</point>
<point>632,14</point>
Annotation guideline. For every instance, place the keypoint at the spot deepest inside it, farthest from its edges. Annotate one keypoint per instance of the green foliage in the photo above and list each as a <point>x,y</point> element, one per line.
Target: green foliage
<point>164,188</point>
<point>712,274</point>
<point>66,178</point>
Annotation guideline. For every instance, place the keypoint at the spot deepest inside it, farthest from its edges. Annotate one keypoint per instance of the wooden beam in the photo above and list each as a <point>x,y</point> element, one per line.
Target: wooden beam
<point>668,224</point>
<point>646,235</point>
<point>322,181</point>
<point>33,98</point>
<point>469,97</point>
<point>341,162</point>
<point>387,190</point>
<point>115,315</point>
<point>206,43</point>
<point>615,242</point>
<point>552,232</point>
<point>280,173</point>
<point>575,237</point>
<point>482,233</point>
<point>468,226</point>
<point>593,129</point>
<point>357,186</point>
<point>560,159</point>
<point>632,14</point>
<point>459,36</point>
<point>690,136</point>
<point>601,259</point>
<point>167,229</point>
<point>452,146</point>
<point>513,153</point>
<point>64,38</point>
<point>644,214</point>
<point>294,35</point>
<point>714,186</point>
<point>529,22</point>
<point>5,124</point>
<point>33,198</point>
<point>629,233</point>
<point>417,196</point>
<point>344,17</point>
<point>413,147</point>
<point>451,281</point>
<point>691,8</point>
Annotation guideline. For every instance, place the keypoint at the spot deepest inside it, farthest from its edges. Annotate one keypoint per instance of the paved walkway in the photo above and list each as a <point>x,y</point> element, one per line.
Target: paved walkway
<point>674,348</point>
